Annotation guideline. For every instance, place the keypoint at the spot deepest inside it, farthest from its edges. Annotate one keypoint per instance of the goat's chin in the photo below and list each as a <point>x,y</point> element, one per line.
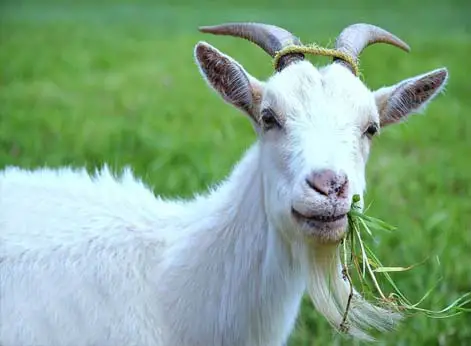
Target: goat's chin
<point>322,236</point>
<point>329,292</point>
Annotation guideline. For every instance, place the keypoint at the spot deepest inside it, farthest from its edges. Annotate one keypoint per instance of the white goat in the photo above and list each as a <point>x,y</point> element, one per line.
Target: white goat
<point>99,260</point>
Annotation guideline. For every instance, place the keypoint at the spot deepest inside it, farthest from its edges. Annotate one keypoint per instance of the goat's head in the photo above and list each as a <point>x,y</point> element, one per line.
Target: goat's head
<point>315,126</point>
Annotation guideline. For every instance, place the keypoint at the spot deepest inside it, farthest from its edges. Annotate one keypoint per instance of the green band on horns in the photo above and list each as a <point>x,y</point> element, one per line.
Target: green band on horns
<point>317,50</point>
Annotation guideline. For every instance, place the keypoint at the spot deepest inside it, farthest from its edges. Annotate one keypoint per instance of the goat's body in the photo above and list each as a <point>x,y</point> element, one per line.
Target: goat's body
<point>100,261</point>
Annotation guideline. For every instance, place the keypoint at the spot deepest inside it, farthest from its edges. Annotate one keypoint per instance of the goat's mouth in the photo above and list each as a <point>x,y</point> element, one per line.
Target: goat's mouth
<point>331,227</point>
<point>325,219</point>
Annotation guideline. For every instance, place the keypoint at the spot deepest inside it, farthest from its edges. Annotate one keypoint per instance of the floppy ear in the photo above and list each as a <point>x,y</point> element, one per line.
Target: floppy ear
<point>229,79</point>
<point>395,103</point>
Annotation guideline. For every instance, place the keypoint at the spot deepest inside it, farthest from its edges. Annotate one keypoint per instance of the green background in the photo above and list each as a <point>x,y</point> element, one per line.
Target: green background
<point>83,83</point>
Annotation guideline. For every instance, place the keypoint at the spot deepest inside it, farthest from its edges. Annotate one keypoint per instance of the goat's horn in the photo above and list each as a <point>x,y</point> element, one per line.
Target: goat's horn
<point>356,37</point>
<point>268,37</point>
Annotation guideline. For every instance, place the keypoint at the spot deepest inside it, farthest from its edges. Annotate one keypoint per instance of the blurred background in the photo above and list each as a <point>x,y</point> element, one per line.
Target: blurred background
<point>89,82</point>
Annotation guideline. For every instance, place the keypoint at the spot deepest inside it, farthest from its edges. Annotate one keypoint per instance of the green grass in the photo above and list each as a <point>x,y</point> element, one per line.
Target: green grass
<point>87,83</point>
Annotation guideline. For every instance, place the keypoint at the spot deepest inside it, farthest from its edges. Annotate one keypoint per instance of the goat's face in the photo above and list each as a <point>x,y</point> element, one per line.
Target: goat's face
<point>315,128</point>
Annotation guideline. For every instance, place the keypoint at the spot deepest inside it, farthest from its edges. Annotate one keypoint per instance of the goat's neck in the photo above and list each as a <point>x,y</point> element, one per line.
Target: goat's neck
<point>232,278</point>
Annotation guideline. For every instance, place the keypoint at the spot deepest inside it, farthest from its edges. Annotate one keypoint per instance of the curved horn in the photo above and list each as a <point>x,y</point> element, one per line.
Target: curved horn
<point>268,37</point>
<point>356,37</point>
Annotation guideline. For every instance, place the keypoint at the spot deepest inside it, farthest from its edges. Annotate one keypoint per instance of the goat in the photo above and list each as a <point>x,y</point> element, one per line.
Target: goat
<point>98,259</point>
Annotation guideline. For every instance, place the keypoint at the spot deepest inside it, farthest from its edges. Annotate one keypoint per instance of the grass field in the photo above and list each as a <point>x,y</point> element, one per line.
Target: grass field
<point>91,82</point>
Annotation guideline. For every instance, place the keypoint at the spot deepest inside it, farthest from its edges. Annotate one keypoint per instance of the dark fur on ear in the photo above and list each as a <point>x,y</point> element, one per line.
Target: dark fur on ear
<point>395,103</point>
<point>228,78</point>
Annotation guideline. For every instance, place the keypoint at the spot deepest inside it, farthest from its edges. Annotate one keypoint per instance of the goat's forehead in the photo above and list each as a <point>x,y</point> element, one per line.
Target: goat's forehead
<point>302,87</point>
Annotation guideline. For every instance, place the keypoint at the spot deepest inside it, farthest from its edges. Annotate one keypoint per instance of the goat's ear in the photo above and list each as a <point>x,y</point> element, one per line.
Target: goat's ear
<point>410,96</point>
<point>229,79</point>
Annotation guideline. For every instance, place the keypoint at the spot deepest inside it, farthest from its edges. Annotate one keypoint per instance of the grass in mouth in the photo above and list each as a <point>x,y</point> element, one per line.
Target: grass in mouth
<point>360,260</point>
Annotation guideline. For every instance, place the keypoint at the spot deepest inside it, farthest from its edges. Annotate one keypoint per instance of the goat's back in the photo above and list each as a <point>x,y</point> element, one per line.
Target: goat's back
<point>77,258</point>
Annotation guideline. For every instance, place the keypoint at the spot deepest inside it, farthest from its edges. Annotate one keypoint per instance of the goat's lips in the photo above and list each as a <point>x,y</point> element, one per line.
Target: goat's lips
<point>331,221</point>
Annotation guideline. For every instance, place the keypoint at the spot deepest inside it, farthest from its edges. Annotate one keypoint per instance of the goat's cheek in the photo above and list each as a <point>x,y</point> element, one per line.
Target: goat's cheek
<point>357,180</point>
<point>278,204</point>
<point>356,169</point>
<point>287,199</point>
<point>364,151</point>
<point>276,187</point>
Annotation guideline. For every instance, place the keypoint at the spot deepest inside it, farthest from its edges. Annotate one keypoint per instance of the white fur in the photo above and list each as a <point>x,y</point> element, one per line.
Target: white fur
<point>98,260</point>
<point>110,264</point>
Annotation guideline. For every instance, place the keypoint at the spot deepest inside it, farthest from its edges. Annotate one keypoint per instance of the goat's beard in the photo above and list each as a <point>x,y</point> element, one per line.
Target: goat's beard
<point>330,291</point>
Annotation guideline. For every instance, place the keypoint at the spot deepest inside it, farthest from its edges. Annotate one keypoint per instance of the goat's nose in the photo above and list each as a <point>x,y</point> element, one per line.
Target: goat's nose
<point>328,183</point>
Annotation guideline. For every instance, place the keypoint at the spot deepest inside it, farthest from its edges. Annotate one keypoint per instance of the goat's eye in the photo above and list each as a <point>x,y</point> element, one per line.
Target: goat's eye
<point>371,130</point>
<point>269,119</point>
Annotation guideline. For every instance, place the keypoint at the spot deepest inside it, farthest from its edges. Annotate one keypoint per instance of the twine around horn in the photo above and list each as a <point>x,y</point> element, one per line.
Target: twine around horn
<point>314,49</point>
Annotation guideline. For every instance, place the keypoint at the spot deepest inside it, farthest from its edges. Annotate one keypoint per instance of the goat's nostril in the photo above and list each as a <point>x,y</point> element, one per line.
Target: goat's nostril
<point>327,182</point>
<point>342,190</point>
<point>322,189</point>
